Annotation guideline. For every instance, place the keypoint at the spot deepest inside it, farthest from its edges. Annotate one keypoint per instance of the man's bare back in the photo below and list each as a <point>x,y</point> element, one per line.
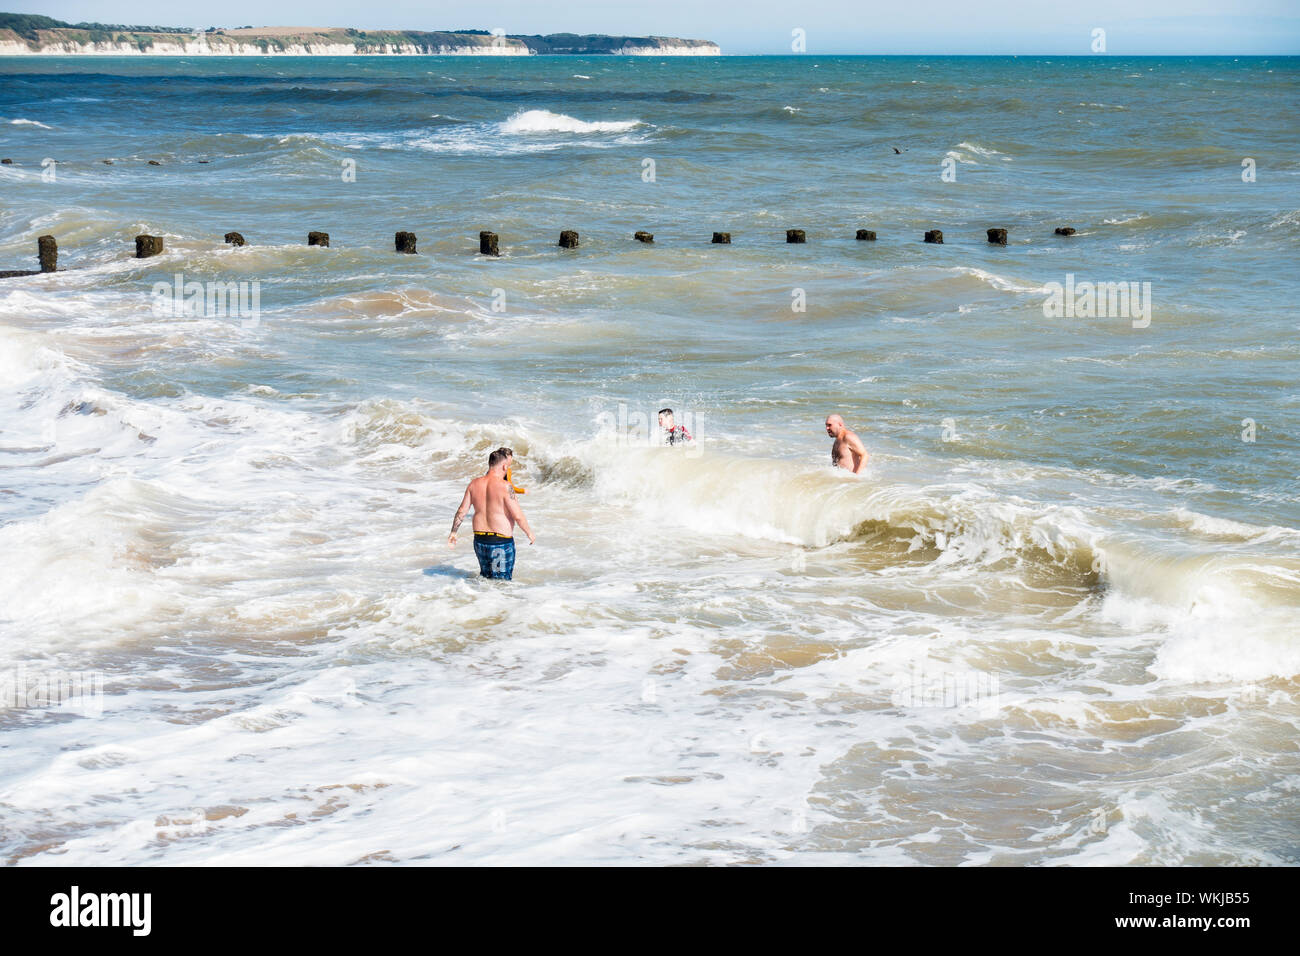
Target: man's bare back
<point>489,498</point>
<point>848,450</point>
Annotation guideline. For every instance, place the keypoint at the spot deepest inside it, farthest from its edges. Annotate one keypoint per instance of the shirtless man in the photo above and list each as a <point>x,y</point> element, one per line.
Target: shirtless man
<point>848,450</point>
<point>496,512</point>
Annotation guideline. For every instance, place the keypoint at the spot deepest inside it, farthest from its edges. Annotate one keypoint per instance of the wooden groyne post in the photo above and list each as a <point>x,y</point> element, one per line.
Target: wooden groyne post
<point>146,246</point>
<point>47,253</point>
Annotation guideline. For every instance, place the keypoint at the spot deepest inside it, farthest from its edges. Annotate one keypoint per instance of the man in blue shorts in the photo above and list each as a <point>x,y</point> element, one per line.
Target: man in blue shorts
<point>496,512</point>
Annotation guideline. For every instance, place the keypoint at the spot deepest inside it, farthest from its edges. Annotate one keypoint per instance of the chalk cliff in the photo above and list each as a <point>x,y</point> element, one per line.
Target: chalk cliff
<point>19,37</point>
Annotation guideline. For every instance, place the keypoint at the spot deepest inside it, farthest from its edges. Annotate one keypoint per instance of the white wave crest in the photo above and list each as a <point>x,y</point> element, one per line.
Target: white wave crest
<point>986,152</point>
<point>544,121</point>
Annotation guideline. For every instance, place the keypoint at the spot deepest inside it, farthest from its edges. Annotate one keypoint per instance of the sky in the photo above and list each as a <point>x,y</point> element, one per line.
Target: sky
<point>1056,27</point>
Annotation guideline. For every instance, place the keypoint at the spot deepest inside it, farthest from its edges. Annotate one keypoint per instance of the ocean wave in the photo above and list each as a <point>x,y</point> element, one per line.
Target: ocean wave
<point>783,502</point>
<point>1188,158</point>
<point>28,122</point>
<point>544,121</point>
<point>984,151</point>
<point>998,282</point>
<point>1182,582</point>
<point>541,132</point>
<point>1213,643</point>
<point>1164,585</point>
<point>398,303</point>
<point>341,95</point>
<point>1232,530</point>
<point>1284,220</point>
<point>793,504</point>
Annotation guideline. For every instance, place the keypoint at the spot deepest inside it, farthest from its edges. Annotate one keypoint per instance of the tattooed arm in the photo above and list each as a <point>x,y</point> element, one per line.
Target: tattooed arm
<point>460,516</point>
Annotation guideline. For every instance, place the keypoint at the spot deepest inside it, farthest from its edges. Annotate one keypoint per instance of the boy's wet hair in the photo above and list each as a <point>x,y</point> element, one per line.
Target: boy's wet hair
<point>506,452</point>
<point>665,411</point>
<point>497,457</point>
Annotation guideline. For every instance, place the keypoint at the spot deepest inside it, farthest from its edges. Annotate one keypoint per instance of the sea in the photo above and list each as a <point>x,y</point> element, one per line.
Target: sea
<point>1052,622</point>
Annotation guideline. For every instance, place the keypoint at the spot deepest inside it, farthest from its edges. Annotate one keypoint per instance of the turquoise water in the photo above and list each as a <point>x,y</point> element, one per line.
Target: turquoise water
<point>728,654</point>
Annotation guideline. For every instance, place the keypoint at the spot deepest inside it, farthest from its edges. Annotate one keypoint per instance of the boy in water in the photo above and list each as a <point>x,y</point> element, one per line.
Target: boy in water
<point>495,515</point>
<point>673,434</point>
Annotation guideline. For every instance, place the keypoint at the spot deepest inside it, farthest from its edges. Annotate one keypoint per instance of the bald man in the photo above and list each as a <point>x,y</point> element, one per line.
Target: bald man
<point>848,450</point>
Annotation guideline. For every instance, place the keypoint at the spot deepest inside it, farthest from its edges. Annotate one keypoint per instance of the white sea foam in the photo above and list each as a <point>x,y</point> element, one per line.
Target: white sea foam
<point>984,151</point>
<point>266,539</point>
<point>544,121</point>
<point>1285,220</point>
<point>1227,528</point>
<point>996,281</point>
<point>527,131</point>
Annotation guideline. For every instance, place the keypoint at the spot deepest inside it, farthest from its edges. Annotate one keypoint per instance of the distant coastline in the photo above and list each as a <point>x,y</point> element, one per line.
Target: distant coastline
<point>32,35</point>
